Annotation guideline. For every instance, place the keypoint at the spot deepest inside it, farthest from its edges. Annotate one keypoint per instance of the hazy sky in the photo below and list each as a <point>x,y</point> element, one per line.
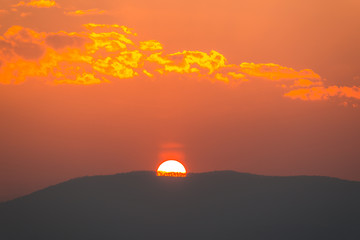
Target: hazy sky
<point>100,87</point>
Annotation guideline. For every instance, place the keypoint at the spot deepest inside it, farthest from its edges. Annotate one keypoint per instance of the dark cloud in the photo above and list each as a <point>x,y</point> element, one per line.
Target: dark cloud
<point>5,47</point>
<point>28,50</point>
<point>62,41</point>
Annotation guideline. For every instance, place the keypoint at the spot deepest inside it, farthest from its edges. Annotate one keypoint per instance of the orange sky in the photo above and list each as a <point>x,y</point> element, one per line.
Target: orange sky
<point>100,87</point>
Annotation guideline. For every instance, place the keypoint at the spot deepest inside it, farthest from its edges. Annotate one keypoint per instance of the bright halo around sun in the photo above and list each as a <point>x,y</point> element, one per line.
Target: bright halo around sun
<point>171,168</point>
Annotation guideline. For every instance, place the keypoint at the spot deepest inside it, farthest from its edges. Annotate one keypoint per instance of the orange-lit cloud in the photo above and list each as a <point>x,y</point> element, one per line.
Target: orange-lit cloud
<point>24,43</point>
<point>150,45</point>
<point>324,93</point>
<point>37,3</point>
<point>306,83</point>
<point>103,53</point>
<point>25,14</point>
<point>93,11</point>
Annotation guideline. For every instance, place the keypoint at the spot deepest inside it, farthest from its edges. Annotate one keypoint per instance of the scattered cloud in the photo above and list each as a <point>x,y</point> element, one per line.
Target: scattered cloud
<point>104,53</point>
<point>151,45</point>
<point>25,14</point>
<point>24,43</point>
<point>37,3</point>
<point>324,93</point>
<point>306,83</point>
<point>86,12</point>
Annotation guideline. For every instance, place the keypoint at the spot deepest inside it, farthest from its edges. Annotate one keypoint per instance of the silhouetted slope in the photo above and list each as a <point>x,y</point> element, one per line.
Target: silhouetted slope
<point>215,205</point>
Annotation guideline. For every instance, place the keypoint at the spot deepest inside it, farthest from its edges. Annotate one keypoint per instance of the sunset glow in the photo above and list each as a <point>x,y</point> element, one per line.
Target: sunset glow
<point>102,87</point>
<point>171,168</point>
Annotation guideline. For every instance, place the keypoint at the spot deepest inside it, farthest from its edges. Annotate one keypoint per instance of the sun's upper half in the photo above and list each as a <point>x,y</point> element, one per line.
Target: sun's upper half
<point>171,168</point>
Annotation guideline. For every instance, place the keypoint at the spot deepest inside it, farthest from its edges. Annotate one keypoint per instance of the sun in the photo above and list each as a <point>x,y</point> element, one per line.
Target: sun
<point>171,168</point>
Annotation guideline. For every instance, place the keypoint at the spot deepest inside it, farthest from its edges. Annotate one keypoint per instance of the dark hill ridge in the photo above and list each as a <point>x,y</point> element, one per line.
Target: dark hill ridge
<point>214,205</point>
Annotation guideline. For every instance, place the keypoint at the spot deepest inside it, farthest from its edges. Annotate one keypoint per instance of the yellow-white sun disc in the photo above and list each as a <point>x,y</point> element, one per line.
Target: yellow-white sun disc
<point>171,168</point>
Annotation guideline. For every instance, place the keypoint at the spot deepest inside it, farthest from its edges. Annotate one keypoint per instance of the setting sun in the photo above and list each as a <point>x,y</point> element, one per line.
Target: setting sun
<point>171,168</point>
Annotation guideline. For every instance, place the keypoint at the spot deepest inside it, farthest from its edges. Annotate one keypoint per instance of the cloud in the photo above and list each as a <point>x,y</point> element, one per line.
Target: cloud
<point>104,53</point>
<point>324,93</point>
<point>62,40</point>
<point>276,72</point>
<point>21,42</point>
<point>25,14</point>
<point>151,45</point>
<point>305,83</point>
<point>86,12</point>
<point>37,3</point>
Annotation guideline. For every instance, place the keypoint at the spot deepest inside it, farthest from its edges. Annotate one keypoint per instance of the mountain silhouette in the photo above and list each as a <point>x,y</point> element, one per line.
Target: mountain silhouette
<point>213,205</point>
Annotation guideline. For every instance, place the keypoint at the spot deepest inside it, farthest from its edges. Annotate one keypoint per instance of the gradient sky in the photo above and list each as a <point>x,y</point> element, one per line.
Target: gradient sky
<point>101,87</point>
